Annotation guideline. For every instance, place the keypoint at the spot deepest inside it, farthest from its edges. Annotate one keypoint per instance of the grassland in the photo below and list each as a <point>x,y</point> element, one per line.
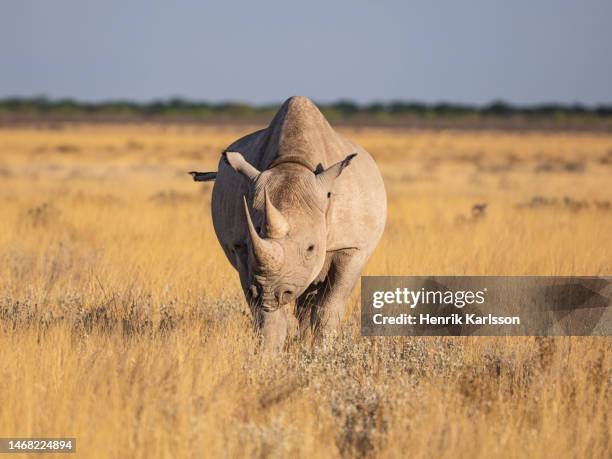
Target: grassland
<point>122,324</point>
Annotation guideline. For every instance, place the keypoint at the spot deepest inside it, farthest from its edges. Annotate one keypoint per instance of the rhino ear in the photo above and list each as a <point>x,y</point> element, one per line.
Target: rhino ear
<point>239,164</point>
<point>328,176</point>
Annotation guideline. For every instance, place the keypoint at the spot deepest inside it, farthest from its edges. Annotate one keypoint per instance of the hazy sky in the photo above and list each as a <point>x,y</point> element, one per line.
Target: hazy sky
<point>522,51</point>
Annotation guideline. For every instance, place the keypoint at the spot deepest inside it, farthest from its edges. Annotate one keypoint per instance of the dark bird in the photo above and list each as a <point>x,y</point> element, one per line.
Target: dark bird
<point>203,176</point>
<point>478,210</point>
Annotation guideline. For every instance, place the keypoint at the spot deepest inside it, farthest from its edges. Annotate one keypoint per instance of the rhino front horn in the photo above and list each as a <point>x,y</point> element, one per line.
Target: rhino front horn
<point>276,225</point>
<point>267,253</point>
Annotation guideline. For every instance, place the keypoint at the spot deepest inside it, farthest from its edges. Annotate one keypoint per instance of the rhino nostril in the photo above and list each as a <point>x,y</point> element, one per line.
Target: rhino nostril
<point>285,296</point>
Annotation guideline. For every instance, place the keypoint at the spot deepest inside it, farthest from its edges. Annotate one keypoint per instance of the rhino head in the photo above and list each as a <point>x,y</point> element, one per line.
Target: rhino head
<point>285,237</point>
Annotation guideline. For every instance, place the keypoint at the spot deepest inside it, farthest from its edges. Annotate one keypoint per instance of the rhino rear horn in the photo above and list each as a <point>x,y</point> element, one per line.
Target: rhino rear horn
<point>276,225</point>
<point>329,175</point>
<point>239,164</point>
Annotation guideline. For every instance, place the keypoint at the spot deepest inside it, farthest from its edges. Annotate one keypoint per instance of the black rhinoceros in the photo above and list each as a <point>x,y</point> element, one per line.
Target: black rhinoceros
<point>298,210</point>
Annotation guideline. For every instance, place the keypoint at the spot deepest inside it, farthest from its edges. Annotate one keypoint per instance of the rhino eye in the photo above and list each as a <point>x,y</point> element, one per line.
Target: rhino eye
<point>328,195</point>
<point>310,247</point>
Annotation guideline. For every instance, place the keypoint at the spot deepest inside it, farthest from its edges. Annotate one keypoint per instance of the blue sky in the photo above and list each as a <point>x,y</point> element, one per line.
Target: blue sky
<point>264,51</point>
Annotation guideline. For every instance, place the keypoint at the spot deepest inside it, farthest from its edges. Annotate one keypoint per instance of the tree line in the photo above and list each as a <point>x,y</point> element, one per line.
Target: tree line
<point>340,110</point>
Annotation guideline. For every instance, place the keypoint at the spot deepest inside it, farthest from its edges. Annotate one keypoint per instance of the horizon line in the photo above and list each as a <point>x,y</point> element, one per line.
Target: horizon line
<point>339,101</point>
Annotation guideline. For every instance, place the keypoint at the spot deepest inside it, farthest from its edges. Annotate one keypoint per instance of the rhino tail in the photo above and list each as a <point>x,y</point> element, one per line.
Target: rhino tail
<point>203,176</point>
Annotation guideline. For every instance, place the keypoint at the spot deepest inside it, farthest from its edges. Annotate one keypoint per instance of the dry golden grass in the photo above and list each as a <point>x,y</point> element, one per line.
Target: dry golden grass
<point>122,324</point>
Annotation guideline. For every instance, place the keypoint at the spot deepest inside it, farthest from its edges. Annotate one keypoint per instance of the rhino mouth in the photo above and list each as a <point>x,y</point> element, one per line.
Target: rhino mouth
<point>270,304</point>
<point>270,301</point>
<point>258,302</point>
<point>265,306</point>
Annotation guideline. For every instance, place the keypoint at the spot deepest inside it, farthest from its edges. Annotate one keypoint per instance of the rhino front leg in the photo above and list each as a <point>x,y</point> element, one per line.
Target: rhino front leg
<point>275,327</point>
<point>343,274</point>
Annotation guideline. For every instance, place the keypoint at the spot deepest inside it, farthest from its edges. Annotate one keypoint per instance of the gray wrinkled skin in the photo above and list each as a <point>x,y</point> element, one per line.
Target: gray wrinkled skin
<point>298,218</point>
